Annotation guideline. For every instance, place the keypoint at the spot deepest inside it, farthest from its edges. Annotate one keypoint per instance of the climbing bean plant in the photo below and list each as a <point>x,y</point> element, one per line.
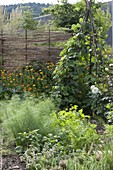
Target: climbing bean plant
<point>83,58</point>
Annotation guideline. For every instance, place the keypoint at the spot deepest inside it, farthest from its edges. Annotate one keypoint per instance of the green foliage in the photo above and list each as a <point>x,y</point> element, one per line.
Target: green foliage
<point>66,14</point>
<point>73,129</point>
<point>11,17</point>
<point>102,20</point>
<point>27,21</point>
<point>96,157</point>
<point>3,18</point>
<point>70,85</point>
<point>9,23</point>
<point>29,139</point>
<point>37,7</point>
<point>82,61</point>
<point>77,130</point>
<point>73,132</point>
<point>101,100</point>
<point>52,44</point>
<point>13,21</point>
<point>109,112</point>
<point>24,115</point>
<point>77,160</point>
<point>33,139</point>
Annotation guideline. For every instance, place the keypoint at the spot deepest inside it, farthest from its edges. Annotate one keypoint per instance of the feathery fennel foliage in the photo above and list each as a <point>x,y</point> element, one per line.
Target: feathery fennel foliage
<point>26,115</point>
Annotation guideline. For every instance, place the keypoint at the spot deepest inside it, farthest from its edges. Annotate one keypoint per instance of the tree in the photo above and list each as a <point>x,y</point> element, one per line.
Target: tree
<point>13,21</point>
<point>37,7</point>
<point>65,14</point>
<point>3,18</point>
<point>27,21</point>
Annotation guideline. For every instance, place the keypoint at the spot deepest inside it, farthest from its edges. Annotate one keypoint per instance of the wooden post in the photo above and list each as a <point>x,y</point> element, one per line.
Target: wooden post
<point>49,44</point>
<point>2,47</point>
<point>26,57</point>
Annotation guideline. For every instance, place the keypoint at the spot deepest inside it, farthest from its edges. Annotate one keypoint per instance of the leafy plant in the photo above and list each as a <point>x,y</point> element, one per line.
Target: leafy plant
<point>71,132</point>
<point>96,158</point>
<point>100,94</point>
<point>78,132</point>
<point>24,115</point>
<point>82,61</point>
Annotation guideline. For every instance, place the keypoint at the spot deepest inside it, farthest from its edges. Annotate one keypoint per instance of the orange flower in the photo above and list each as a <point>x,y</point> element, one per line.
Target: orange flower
<point>22,85</point>
<point>29,89</point>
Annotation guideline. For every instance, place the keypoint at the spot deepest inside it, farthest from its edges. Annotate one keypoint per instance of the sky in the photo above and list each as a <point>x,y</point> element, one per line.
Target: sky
<point>7,2</point>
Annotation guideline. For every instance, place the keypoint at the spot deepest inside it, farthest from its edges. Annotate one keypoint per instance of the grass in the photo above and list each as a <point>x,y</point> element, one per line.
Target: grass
<point>52,44</point>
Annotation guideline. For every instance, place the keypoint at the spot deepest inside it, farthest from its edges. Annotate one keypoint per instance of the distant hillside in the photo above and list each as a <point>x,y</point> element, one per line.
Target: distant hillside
<point>37,7</point>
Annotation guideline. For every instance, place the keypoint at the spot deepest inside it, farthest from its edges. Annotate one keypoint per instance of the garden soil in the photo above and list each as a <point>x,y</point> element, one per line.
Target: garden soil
<point>11,162</point>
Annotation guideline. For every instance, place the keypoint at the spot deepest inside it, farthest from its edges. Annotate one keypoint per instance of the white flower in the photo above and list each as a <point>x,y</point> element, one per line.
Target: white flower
<point>111,65</point>
<point>93,86</point>
<point>94,89</point>
<point>106,69</point>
